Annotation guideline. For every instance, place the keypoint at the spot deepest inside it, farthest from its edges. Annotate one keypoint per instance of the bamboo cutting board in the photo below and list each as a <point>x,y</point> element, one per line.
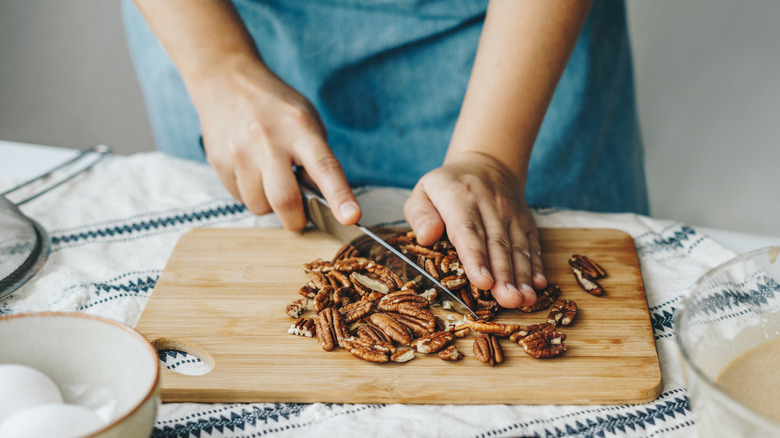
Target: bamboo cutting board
<point>223,293</point>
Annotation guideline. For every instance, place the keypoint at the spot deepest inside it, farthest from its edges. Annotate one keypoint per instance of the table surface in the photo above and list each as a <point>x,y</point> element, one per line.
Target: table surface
<point>20,161</point>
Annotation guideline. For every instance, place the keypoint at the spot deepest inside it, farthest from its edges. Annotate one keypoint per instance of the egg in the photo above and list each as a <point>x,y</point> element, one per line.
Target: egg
<point>51,420</point>
<point>24,387</point>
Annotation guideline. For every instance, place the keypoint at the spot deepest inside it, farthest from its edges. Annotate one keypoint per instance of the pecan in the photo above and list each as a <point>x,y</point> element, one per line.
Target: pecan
<point>392,301</point>
<point>467,298</point>
<point>396,330</point>
<point>365,284</point>
<point>451,263</point>
<point>439,324</point>
<point>402,355</point>
<point>386,276</point>
<point>319,279</point>
<point>544,344</point>
<point>562,312</point>
<point>418,326</point>
<point>351,264</point>
<point>492,328</point>
<point>303,327</point>
<point>430,295</point>
<point>399,241</point>
<point>460,329</point>
<point>318,265</point>
<point>331,329</point>
<point>344,295</point>
<point>374,296</point>
<point>451,353</point>
<point>434,342</point>
<point>544,299</point>
<point>587,266</point>
<point>340,278</point>
<point>418,249</point>
<point>345,252</point>
<point>323,299</point>
<point>411,285</point>
<point>519,335</point>
<point>430,267</point>
<point>485,314</point>
<point>308,291</point>
<point>373,332</point>
<point>358,309</point>
<point>487,350</point>
<point>590,285</point>
<point>454,282</point>
<point>490,304</point>
<point>297,307</point>
<point>421,313</point>
<point>368,350</point>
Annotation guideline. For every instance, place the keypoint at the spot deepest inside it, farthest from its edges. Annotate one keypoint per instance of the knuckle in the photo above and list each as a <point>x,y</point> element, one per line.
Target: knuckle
<point>500,242</point>
<point>327,164</point>
<point>284,200</point>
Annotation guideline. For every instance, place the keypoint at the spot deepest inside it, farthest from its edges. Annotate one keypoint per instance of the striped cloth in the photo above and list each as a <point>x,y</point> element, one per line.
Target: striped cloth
<point>114,228</point>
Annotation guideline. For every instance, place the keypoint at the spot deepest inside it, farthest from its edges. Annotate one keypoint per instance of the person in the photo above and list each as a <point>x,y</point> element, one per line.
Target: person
<point>482,108</point>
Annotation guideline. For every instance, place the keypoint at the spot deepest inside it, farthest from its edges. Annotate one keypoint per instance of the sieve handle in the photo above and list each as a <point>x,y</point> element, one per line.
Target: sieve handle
<point>102,150</point>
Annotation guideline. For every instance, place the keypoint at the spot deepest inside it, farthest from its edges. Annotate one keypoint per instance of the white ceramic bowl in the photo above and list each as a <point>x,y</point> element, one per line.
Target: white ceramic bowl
<point>97,363</point>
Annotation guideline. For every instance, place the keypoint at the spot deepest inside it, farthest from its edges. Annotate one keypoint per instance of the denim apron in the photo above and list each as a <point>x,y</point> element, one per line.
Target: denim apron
<point>388,78</point>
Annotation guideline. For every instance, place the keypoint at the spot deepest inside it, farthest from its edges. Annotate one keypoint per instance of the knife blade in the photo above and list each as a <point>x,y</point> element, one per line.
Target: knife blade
<point>319,213</point>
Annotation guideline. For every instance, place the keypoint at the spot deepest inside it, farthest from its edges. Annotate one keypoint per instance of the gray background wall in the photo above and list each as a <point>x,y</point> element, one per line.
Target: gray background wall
<point>707,82</point>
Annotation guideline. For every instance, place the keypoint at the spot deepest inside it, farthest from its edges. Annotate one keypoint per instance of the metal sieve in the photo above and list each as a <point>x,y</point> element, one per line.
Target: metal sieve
<point>24,243</point>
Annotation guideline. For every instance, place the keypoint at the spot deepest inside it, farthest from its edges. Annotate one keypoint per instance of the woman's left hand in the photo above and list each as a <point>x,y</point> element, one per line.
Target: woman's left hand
<point>481,204</point>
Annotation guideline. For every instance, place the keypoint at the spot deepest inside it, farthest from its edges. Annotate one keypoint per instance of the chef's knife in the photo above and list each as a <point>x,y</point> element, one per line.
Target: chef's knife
<point>319,213</point>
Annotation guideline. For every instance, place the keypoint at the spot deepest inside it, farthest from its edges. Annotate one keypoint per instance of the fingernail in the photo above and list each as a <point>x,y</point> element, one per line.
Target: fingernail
<point>348,209</point>
<point>528,289</point>
<point>539,276</point>
<point>511,288</point>
<point>422,227</point>
<point>486,273</point>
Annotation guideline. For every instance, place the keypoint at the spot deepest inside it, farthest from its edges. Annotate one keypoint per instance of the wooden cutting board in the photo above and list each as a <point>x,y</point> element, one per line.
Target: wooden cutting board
<point>223,293</point>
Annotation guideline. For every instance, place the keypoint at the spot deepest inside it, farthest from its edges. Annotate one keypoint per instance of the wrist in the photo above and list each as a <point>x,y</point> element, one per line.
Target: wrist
<point>242,70</point>
<point>514,171</point>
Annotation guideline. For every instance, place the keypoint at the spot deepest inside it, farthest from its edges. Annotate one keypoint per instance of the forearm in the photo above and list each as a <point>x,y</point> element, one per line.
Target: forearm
<point>522,52</point>
<point>204,38</point>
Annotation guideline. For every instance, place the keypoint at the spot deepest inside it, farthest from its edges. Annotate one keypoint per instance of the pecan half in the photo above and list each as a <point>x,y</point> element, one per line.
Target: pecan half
<point>454,282</point>
<point>587,266</point>
<point>562,312</point>
<point>303,327</point>
<point>351,264</point>
<point>487,350</point>
<point>419,327</point>
<point>297,307</point>
<point>492,328</point>
<point>358,309</point>
<point>588,284</point>
<point>365,284</point>
<point>308,290</point>
<point>519,335</point>
<point>368,350</point>
<point>323,299</point>
<point>345,252</point>
<point>451,353</point>
<point>544,344</point>
<point>318,265</point>
<point>544,299</point>
<point>331,329</point>
<point>396,330</point>
<point>341,279</point>
<point>430,267</point>
<point>451,263</point>
<point>434,342</point>
<point>319,279</point>
<point>402,355</point>
<point>373,332</point>
<point>392,301</point>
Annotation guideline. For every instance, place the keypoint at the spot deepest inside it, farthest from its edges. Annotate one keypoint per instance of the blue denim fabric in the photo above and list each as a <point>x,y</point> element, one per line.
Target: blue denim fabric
<point>388,78</point>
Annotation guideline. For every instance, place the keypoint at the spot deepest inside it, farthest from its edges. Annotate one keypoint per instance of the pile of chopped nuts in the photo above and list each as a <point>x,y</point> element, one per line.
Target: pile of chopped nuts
<point>375,314</point>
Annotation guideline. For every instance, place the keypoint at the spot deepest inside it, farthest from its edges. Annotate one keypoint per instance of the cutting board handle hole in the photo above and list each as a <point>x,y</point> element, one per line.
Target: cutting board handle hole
<point>183,356</point>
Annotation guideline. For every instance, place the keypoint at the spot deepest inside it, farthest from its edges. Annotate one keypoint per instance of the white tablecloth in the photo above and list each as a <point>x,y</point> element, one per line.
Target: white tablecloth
<point>114,228</point>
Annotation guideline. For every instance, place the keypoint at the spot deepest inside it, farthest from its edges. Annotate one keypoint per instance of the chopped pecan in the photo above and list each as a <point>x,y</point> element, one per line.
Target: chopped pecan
<point>487,350</point>
<point>368,350</point>
<point>358,309</point>
<point>396,330</point>
<point>430,295</point>
<point>587,266</point>
<point>439,324</point>
<point>365,284</point>
<point>373,332</point>
<point>451,353</point>
<point>544,344</point>
<point>297,307</point>
<point>434,342</point>
<point>454,282</point>
<point>451,263</point>
<point>331,329</point>
<point>519,335</point>
<point>411,285</point>
<point>544,299</point>
<point>303,327</point>
<point>345,252</point>
<point>562,312</point>
<point>323,299</point>
<point>402,355</point>
<point>492,328</point>
<point>590,285</point>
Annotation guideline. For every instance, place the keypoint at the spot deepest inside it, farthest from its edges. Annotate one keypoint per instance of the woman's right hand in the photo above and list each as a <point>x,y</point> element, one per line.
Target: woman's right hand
<point>255,129</point>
